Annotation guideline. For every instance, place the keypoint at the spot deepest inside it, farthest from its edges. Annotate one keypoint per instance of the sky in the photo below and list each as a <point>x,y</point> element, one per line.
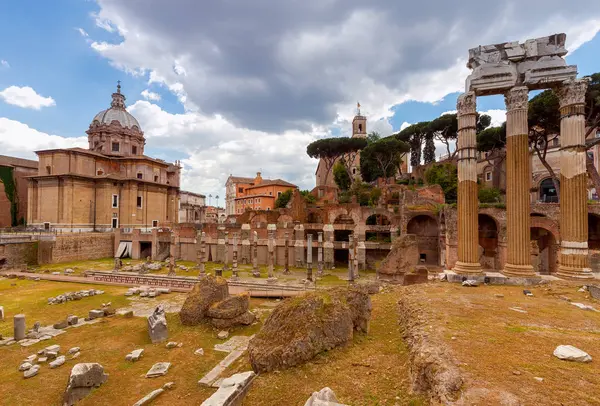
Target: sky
<point>238,86</point>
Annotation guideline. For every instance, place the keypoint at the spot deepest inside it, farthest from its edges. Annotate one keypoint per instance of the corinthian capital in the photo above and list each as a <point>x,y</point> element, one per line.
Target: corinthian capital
<point>572,92</point>
<point>516,98</point>
<point>466,103</point>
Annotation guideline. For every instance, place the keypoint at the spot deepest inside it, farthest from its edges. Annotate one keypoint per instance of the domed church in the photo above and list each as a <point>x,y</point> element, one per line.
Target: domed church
<point>110,185</point>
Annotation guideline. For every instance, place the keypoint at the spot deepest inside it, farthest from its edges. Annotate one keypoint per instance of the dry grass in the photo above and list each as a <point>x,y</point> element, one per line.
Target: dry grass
<point>370,371</point>
<point>492,342</point>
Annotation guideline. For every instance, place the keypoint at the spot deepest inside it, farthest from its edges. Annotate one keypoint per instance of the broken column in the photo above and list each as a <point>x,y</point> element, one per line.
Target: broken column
<point>234,265</point>
<point>299,245</point>
<point>350,258</point>
<point>203,254</point>
<point>220,244</point>
<point>518,172</point>
<point>319,254</point>
<point>271,230</point>
<point>246,251</point>
<point>360,255</point>
<point>328,246</point>
<point>255,270</point>
<point>468,205</point>
<point>286,252</point>
<point>19,328</point>
<point>226,252</point>
<point>309,258</point>
<point>573,258</point>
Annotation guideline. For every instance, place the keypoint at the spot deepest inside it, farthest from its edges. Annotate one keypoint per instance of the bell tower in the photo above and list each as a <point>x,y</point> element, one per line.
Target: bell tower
<point>359,124</point>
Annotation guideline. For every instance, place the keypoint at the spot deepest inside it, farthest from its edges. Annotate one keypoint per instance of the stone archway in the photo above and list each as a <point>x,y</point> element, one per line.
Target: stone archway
<point>547,191</point>
<point>488,242</point>
<point>426,229</point>
<point>593,231</point>
<point>545,238</point>
<point>378,220</point>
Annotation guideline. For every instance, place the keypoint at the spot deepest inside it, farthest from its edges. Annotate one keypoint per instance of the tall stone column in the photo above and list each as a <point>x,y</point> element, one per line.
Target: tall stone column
<point>299,245</point>
<point>573,259</point>
<point>328,246</point>
<point>518,173</point>
<point>468,206</point>
<point>226,252</point>
<point>271,243</point>
<point>350,258</point>
<point>286,252</point>
<point>309,273</point>
<point>319,254</point>
<point>234,261</point>
<point>202,257</point>
<point>255,270</point>
<point>245,257</point>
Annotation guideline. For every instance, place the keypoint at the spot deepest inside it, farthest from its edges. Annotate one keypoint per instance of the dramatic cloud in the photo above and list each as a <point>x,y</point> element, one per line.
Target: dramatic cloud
<point>259,80</point>
<point>148,95</point>
<point>290,65</point>
<point>25,97</point>
<point>19,139</point>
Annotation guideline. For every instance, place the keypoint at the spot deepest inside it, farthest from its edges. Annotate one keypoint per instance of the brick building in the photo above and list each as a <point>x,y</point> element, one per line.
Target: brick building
<point>254,194</point>
<point>110,185</point>
<point>13,189</point>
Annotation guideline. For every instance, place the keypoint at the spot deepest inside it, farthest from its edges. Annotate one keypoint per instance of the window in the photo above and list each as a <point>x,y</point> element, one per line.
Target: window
<point>139,175</point>
<point>48,170</point>
<point>353,171</point>
<point>115,222</point>
<point>240,190</point>
<point>278,194</point>
<point>99,172</point>
<point>115,201</point>
<point>47,226</point>
<point>134,150</point>
<point>360,128</point>
<point>488,176</point>
<point>270,193</point>
<point>115,147</point>
<point>268,209</point>
<point>555,142</point>
<point>139,202</point>
<point>320,193</point>
<point>154,223</point>
<point>156,178</point>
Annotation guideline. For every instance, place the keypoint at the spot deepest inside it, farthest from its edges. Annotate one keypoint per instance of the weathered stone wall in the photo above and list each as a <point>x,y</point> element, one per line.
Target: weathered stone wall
<point>15,254</point>
<point>79,247</point>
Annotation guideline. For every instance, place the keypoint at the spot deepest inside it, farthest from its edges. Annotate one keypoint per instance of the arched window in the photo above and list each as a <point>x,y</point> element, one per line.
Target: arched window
<point>548,192</point>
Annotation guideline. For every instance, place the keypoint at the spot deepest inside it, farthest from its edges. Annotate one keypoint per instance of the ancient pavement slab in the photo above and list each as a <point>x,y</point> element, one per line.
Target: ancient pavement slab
<point>158,369</point>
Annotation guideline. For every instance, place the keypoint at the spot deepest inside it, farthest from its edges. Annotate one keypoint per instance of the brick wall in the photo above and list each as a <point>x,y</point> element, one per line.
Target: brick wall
<point>78,247</point>
<point>14,254</point>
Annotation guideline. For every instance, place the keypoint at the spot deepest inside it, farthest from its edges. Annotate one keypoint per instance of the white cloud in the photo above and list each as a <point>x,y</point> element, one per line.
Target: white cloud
<point>225,149</point>
<point>25,97</point>
<point>148,95</point>
<point>404,125</point>
<point>4,63</point>
<point>82,32</point>
<point>20,140</point>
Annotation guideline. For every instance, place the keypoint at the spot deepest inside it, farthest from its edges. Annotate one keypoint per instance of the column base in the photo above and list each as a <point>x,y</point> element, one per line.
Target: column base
<point>468,268</point>
<point>518,270</point>
<point>568,272</point>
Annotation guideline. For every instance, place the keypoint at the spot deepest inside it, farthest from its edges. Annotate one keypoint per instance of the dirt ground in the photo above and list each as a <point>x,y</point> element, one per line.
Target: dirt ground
<point>503,350</point>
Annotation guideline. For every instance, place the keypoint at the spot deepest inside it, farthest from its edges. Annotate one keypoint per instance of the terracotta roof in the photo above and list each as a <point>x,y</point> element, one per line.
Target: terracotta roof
<point>273,182</point>
<point>14,161</point>
<point>240,179</point>
<point>253,196</point>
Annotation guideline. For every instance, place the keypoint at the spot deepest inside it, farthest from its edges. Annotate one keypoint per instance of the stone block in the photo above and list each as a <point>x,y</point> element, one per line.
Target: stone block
<point>19,327</point>
<point>232,389</point>
<point>83,378</point>
<point>157,325</point>
<point>72,320</point>
<point>158,369</point>
<point>61,324</point>
<point>94,314</point>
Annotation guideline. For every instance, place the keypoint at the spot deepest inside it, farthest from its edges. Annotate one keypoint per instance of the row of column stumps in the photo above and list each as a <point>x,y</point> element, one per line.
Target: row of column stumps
<point>573,257</point>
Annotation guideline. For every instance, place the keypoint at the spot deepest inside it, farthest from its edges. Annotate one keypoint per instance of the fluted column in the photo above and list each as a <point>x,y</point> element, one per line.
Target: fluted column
<point>573,259</point>
<point>518,172</point>
<point>468,210</point>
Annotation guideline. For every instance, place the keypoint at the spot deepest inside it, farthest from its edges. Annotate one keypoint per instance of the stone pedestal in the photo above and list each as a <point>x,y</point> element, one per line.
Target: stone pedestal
<point>573,258</point>
<point>518,173</point>
<point>468,207</point>
<point>19,327</point>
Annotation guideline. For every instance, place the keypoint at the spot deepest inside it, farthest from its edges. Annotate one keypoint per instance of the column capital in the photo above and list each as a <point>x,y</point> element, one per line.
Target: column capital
<point>572,92</point>
<point>517,98</point>
<point>466,103</point>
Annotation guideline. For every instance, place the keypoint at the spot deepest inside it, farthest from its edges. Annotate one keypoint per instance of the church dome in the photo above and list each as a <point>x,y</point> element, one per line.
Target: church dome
<point>116,112</point>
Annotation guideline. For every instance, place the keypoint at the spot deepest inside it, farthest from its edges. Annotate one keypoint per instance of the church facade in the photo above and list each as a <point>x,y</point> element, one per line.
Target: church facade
<point>110,185</point>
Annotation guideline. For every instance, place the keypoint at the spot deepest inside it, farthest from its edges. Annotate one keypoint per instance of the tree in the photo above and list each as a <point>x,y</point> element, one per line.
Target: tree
<point>309,197</point>
<point>492,143</point>
<point>380,158</point>
<point>283,199</point>
<point>429,149</point>
<point>488,195</point>
<point>340,175</point>
<point>543,118</point>
<point>373,136</point>
<point>327,150</point>
<point>592,122</point>
<point>414,135</point>
<point>350,148</point>
<point>445,175</point>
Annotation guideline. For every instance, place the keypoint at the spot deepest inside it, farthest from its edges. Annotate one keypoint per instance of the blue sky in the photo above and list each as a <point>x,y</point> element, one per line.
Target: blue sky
<point>235,99</point>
